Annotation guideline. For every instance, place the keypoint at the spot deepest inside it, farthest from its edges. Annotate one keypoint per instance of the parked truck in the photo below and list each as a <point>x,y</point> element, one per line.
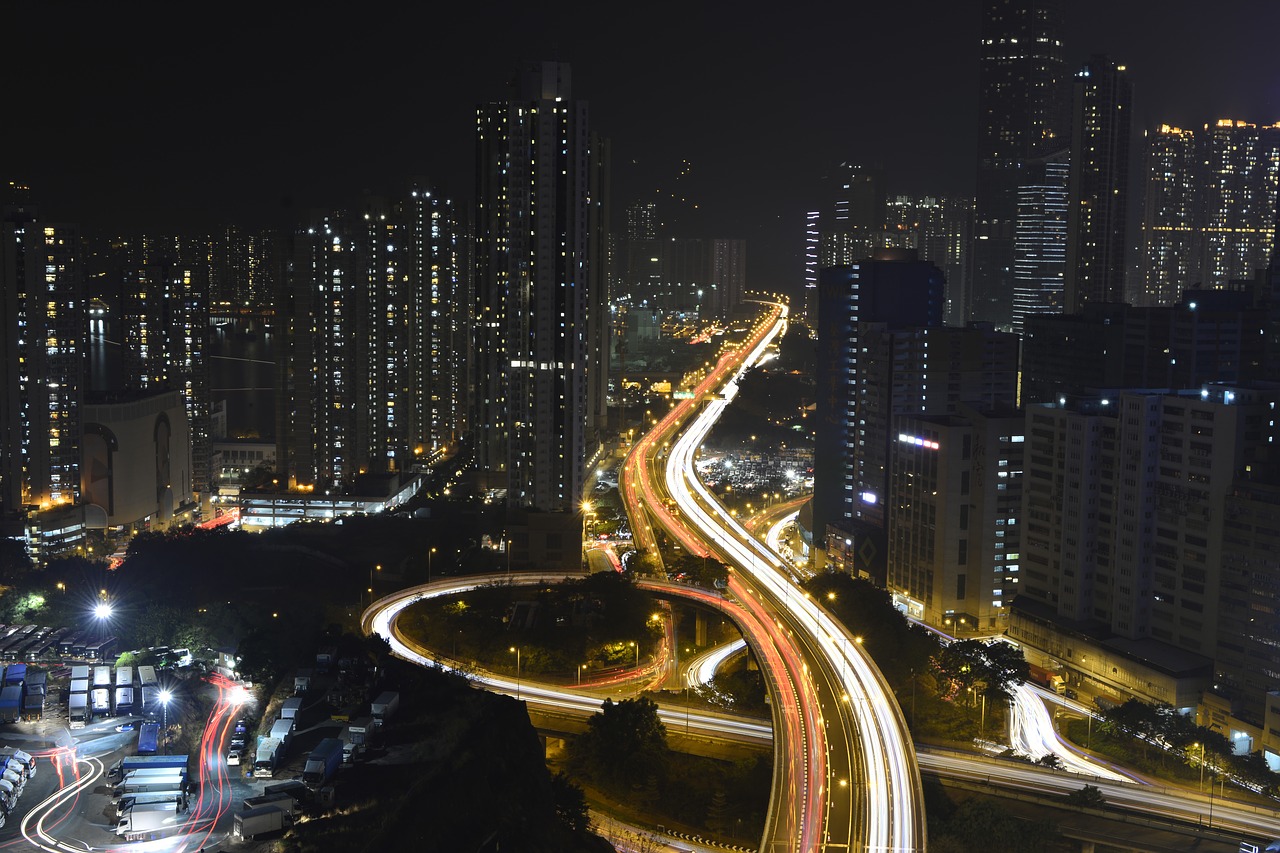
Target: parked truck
<point>80,672</point>
<point>362,731</point>
<point>295,788</point>
<point>283,800</point>
<point>282,730</point>
<point>79,685</point>
<point>150,785</point>
<point>384,707</point>
<point>177,797</point>
<point>78,714</point>
<point>26,759</point>
<point>289,710</point>
<point>322,763</point>
<point>124,702</point>
<point>250,824</point>
<point>102,676</point>
<point>145,822</point>
<point>100,701</point>
<point>15,673</point>
<point>11,703</point>
<point>264,760</point>
<point>14,778</point>
<point>149,738</point>
<point>302,681</point>
<point>130,763</point>
<point>8,795</point>
<point>32,706</point>
<point>349,746</point>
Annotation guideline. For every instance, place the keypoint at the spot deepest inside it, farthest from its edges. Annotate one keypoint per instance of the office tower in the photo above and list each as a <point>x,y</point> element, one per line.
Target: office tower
<point>955,500</point>
<point>1099,208</point>
<point>1040,240</point>
<point>1022,114</point>
<point>893,288</point>
<point>1170,218</point>
<point>531,239</point>
<point>43,324</point>
<point>1242,169</point>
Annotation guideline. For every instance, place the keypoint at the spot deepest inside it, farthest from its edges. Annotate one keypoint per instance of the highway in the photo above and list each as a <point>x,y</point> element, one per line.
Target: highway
<point>1176,804</point>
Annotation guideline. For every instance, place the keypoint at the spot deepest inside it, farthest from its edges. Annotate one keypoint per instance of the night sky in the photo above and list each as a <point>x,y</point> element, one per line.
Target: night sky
<point>187,116</point>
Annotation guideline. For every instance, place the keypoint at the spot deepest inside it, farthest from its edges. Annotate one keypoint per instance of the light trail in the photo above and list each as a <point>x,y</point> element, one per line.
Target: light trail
<point>702,669</point>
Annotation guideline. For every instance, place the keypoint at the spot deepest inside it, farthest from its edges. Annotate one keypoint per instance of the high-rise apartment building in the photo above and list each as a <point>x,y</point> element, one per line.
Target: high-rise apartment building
<point>372,337</point>
<point>1023,114</point>
<point>1170,218</point>
<point>1210,209</point>
<point>1124,528</point>
<point>1242,171</point>
<point>1099,192</point>
<point>532,277</point>
<point>43,324</point>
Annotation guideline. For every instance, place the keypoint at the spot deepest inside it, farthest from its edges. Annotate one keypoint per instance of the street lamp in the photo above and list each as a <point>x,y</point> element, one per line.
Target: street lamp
<point>429,554</point>
<point>1200,746</point>
<point>516,650</point>
<point>165,696</point>
<point>636,646</point>
<point>378,568</point>
<point>581,667</point>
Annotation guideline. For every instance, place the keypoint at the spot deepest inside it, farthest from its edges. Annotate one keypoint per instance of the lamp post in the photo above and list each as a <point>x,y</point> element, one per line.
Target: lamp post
<point>636,646</point>
<point>1200,746</point>
<point>516,649</point>
<point>165,696</point>
<point>429,554</point>
<point>378,567</point>
<point>581,667</point>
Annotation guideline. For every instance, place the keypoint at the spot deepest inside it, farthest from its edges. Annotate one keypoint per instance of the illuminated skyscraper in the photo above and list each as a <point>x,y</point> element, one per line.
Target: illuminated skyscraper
<point>42,344</point>
<point>1242,167</point>
<point>1210,208</point>
<point>1170,219</point>
<point>532,281</point>
<point>1022,115</point>
<point>1098,211</point>
<point>1040,240</point>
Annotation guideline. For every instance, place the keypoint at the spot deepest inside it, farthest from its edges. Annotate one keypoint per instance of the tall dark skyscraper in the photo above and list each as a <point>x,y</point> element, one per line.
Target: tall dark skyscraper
<point>1023,114</point>
<point>1099,196</point>
<point>895,289</point>
<point>531,264</point>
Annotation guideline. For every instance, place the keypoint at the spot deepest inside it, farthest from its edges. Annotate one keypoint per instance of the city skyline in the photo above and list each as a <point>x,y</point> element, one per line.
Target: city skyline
<point>172,131</point>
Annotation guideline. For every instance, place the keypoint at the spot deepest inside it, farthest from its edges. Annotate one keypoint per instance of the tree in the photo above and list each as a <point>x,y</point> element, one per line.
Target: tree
<point>624,741</point>
<point>998,665</point>
<point>1089,795</point>
<point>571,804</point>
<point>15,564</point>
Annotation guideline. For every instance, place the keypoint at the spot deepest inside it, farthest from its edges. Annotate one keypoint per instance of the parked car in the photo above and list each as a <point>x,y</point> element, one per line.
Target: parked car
<point>1070,694</point>
<point>233,757</point>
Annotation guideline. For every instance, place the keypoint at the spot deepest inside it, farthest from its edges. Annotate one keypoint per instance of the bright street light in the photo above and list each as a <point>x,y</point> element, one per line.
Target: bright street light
<point>102,610</point>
